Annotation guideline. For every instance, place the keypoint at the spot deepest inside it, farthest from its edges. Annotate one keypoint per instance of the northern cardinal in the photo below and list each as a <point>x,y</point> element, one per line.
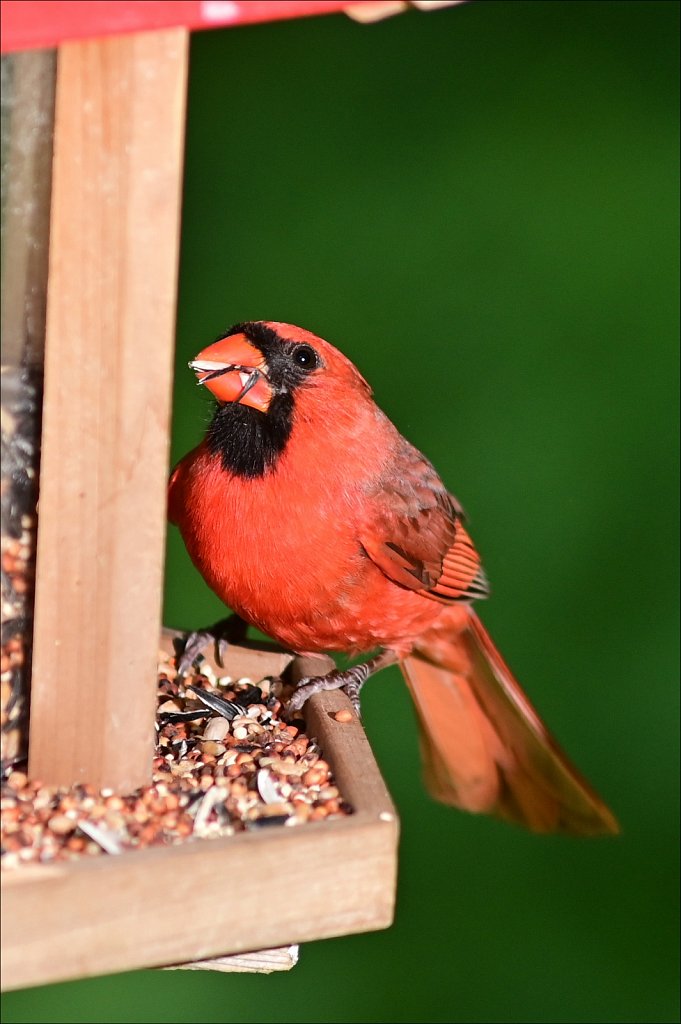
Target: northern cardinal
<point>312,518</point>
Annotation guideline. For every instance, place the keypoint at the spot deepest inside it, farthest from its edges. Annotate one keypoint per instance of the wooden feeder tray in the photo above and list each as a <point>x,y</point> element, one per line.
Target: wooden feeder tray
<point>211,898</point>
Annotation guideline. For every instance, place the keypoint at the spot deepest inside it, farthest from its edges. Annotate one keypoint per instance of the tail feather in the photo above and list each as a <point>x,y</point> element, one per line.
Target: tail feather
<point>484,747</point>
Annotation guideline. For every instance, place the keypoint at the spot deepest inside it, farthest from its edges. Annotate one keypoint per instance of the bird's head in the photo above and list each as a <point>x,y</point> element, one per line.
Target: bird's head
<point>254,363</point>
<point>269,379</point>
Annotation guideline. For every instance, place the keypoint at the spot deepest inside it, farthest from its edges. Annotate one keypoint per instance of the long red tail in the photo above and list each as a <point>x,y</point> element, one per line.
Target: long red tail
<point>484,747</point>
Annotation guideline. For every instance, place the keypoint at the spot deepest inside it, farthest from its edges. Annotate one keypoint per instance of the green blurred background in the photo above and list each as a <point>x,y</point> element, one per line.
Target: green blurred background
<point>480,207</point>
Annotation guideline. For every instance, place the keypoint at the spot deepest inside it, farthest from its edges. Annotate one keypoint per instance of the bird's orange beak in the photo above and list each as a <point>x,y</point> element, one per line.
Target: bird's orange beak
<point>234,370</point>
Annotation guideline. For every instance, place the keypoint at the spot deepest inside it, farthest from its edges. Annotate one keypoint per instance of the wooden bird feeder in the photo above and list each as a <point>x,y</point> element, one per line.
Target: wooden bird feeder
<point>106,310</point>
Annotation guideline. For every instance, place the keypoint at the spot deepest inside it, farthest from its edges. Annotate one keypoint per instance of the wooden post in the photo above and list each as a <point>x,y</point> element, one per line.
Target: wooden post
<point>119,128</point>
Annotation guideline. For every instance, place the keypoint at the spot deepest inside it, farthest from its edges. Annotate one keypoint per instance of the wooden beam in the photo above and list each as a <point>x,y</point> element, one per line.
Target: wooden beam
<point>119,128</point>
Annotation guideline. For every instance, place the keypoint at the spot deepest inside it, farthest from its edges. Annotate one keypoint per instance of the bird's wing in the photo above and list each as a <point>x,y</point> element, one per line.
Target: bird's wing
<point>414,533</point>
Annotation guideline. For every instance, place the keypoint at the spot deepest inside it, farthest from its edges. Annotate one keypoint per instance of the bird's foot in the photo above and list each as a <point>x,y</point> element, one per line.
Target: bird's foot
<point>223,633</point>
<point>350,680</point>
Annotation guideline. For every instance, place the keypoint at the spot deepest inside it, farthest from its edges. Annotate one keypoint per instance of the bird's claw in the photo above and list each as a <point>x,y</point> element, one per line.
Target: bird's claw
<point>351,691</point>
<point>222,634</point>
<point>335,680</point>
<point>194,647</point>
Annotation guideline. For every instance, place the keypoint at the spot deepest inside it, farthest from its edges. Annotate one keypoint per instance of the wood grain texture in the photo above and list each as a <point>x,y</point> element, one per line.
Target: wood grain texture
<point>119,128</point>
<point>214,897</point>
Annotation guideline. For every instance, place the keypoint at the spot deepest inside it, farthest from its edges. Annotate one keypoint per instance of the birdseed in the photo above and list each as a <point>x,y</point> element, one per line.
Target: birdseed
<point>19,422</point>
<point>211,777</point>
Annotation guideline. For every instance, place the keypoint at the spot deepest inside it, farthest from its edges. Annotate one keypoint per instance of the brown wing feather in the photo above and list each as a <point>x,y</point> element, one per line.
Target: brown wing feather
<point>415,534</point>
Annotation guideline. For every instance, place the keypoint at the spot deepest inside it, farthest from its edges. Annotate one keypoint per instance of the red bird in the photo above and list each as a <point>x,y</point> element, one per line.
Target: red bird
<point>312,518</point>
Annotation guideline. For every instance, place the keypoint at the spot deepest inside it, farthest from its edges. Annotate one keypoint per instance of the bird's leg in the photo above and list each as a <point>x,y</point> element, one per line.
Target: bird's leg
<point>349,680</point>
<point>231,630</point>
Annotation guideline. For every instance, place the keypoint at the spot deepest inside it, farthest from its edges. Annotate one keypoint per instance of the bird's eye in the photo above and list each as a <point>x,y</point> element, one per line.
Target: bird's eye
<point>305,357</point>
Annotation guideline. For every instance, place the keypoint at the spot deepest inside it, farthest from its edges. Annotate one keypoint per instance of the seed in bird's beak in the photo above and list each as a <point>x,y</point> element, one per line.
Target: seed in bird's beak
<point>243,381</point>
<point>207,370</point>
